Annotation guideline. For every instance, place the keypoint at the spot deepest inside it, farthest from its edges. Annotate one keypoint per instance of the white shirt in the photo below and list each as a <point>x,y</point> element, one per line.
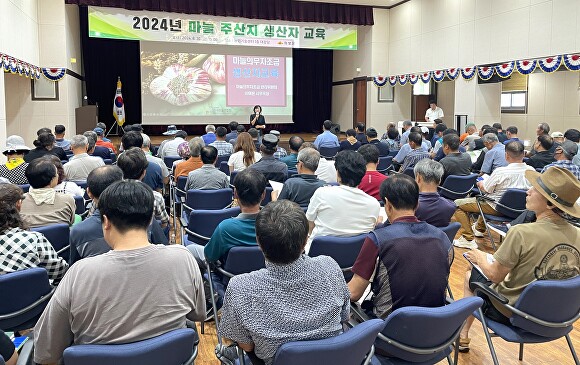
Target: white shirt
<point>158,161</point>
<point>434,114</point>
<point>502,178</point>
<point>341,211</point>
<point>80,166</point>
<point>169,148</point>
<point>237,160</point>
<point>326,171</point>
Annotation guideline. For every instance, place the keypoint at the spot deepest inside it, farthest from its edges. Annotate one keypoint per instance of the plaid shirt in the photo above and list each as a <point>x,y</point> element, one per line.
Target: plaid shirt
<point>223,147</point>
<point>159,208</point>
<point>20,250</point>
<point>565,164</point>
<point>280,152</point>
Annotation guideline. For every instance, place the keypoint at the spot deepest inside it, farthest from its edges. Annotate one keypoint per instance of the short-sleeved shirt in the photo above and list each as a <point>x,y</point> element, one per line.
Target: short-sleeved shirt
<point>565,164</point>
<point>272,168</point>
<point>108,145</point>
<point>456,163</point>
<point>304,300</point>
<point>503,178</point>
<point>383,148</point>
<point>207,177</point>
<point>15,174</point>
<point>406,149</point>
<point>209,138</point>
<point>236,160</point>
<point>300,188</point>
<point>223,148</point>
<point>62,143</point>
<point>413,265</point>
<point>494,158</point>
<point>434,114</point>
<point>169,148</point>
<point>371,183</point>
<point>121,297</point>
<point>159,162</point>
<point>548,249</point>
<point>290,160</point>
<point>232,232</point>
<point>326,139</point>
<point>326,171</point>
<point>434,209</point>
<point>80,166</point>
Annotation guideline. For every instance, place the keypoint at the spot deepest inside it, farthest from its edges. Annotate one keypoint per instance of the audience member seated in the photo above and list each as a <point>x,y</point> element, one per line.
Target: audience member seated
<point>171,131</point>
<point>494,186</point>
<point>42,204</point>
<point>372,137</point>
<point>169,147</point>
<point>417,152</point>
<point>309,291</point>
<point>153,173</point>
<point>406,148</point>
<point>412,256</point>
<point>407,125</point>
<point>478,142</point>
<point>433,208</point>
<point>326,170</point>
<point>300,188</point>
<point>544,154</point>
<point>44,145</point>
<point>280,151</point>
<point>391,138</point>
<point>361,136</point>
<point>15,166</point>
<point>343,210</point>
<point>209,136</point>
<point>240,129</point>
<point>245,153</point>
<point>94,150</point>
<point>146,147</point>
<point>371,182</point>
<point>574,136</point>
<point>223,147</point>
<point>512,135</point>
<point>495,156</point>
<point>437,141</point>
<point>272,168</point>
<point>326,139</point>
<point>22,249</point>
<point>545,250</point>
<point>500,133</point>
<point>101,142</point>
<point>7,350</point>
<point>543,129</point>
<point>194,161</point>
<point>233,133</point>
<point>59,141</point>
<point>472,134</point>
<point>86,237</point>
<point>439,155</point>
<point>295,142</point>
<point>564,155</point>
<point>255,134</point>
<point>351,142</point>
<point>81,164</point>
<point>145,290</point>
<point>134,164</point>
<point>208,176</point>
<point>64,186</point>
<point>455,162</point>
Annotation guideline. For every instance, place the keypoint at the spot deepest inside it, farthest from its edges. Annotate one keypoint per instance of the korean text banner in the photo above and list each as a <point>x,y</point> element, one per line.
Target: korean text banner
<point>168,27</point>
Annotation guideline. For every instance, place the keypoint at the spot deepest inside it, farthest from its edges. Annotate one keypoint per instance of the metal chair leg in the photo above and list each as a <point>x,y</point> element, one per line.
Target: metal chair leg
<point>485,223</point>
<point>521,356</point>
<point>572,350</point>
<point>213,303</point>
<point>456,355</point>
<point>449,291</point>
<point>449,361</point>
<point>488,338</point>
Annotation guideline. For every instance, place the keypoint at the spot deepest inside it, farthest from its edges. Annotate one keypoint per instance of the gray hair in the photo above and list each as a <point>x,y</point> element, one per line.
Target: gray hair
<point>407,123</point>
<point>309,157</point>
<point>92,139</point>
<point>79,141</point>
<point>209,128</point>
<point>146,140</point>
<point>431,171</point>
<point>195,146</point>
<point>490,138</point>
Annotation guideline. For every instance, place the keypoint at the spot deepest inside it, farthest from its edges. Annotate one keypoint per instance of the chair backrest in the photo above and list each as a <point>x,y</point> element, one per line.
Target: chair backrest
<point>172,348</point>
<point>344,250</point>
<point>204,222</point>
<point>384,163</point>
<point>113,156</point>
<point>409,171</point>
<point>181,181</point>
<point>514,199</point>
<point>25,187</point>
<point>267,196</point>
<point>233,177</point>
<point>209,199</point>
<point>24,288</point>
<point>82,184</point>
<point>108,161</point>
<point>393,153</point>
<point>436,326</point>
<point>292,172</point>
<point>554,301</point>
<point>80,204</point>
<point>457,187</point>
<point>328,152</point>
<point>169,160</point>
<point>58,236</point>
<point>348,348</point>
<point>244,259</point>
<point>221,159</point>
<point>223,166</point>
<point>451,230</point>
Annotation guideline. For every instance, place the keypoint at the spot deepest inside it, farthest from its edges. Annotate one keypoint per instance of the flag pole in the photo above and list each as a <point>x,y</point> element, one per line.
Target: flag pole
<point>118,110</point>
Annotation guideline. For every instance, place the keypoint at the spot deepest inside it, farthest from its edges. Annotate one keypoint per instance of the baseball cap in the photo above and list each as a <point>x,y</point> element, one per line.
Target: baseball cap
<point>99,131</point>
<point>557,135</point>
<point>270,141</point>
<point>570,148</point>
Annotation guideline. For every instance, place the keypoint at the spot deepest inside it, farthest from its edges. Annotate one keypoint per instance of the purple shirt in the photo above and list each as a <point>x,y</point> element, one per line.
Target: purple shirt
<point>434,209</point>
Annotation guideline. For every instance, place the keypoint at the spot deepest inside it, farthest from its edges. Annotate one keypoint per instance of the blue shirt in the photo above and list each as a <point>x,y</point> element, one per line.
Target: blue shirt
<point>82,236</point>
<point>494,158</point>
<point>434,209</point>
<point>326,139</point>
<point>238,231</point>
<point>62,143</point>
<point>511,140</point>
<point>405,137</point>
<point>406,149</point>
<point>565,164</point>
<point>208,138</point>
<point>153,176</point>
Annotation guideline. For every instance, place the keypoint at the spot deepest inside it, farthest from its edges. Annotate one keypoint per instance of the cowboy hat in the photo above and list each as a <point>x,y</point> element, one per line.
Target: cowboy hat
<point>559,186</point>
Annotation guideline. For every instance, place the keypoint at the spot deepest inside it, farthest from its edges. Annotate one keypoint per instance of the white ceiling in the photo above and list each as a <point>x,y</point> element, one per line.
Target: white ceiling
<point>387,3</point>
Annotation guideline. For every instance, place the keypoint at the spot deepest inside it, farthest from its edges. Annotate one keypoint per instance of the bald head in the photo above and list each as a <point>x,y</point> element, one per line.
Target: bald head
<point>101,177</point>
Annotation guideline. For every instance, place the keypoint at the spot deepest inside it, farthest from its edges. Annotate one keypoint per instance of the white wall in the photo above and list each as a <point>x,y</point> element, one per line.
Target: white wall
<point>434,34</point>
<point>19,29</point>
<point>552,98</point>
<point>446,101</point>
<point>480,102</point>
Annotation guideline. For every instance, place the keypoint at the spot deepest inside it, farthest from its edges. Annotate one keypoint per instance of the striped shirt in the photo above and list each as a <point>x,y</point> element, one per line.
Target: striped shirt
<point>413,157</point>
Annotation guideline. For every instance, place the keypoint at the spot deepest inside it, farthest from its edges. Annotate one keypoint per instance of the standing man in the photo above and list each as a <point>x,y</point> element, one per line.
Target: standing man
<point>434,112</point>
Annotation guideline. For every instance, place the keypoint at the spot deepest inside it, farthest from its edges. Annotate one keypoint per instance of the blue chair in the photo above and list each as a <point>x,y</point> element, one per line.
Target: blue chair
<point>169,160</point>
<point>393,153</point>
<point>292,172</point>
<point>424,335</point>
<point>207,199</point>
<point>545,311</point>
<point>25,306</point>
<point>80,205</point>
<point>221,159</point>
<point>223,166</point>
<point>457,187</point>
<point>233,177</point>
<point>385,164</point>
<point>177,194</point>
<point>410,171</point>
<point>328,152</point>
<point>352,347</point>
<point>267,196</point>
<point>82,184</point>
<point>108,161</point>
<point>58,236</point>
<point>25,187</point>
<point>178,347</point>
<point>202,223</point>
<point>511,204</point>
<point>113,156</point>
<point>344,250</point>
<point>451,231</point>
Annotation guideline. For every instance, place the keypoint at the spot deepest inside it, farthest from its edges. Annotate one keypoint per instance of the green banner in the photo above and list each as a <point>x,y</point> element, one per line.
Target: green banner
<point>170,27</point>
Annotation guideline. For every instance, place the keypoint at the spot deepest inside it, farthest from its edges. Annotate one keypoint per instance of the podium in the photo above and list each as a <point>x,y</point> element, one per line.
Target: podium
<point>86,118</point>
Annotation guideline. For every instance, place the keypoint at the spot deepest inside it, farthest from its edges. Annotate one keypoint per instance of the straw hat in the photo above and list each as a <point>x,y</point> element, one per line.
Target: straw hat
<point>559,186</point>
